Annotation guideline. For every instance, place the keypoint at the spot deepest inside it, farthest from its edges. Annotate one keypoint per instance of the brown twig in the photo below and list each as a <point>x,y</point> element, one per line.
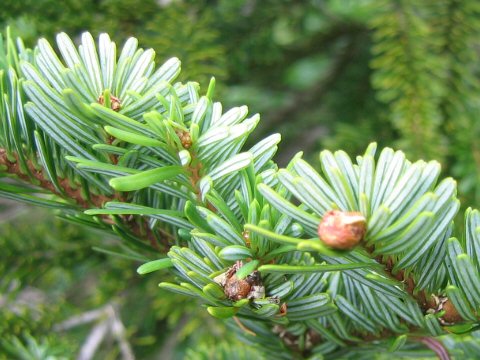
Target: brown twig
<point>427,302</point>
<point>74,194</point>
<point>70,192</point>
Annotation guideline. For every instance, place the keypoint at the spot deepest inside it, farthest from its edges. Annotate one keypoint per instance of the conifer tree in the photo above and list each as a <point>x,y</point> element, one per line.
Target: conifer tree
<point>346,260</point>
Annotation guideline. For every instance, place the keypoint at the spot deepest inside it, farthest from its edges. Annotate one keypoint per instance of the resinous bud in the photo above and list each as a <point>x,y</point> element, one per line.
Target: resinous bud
<point>341,229</point>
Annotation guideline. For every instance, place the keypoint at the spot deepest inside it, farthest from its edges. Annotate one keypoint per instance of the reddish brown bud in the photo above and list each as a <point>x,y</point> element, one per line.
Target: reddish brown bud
<point>236,289</point>
<point>341,229</point>
<point>451,315</point>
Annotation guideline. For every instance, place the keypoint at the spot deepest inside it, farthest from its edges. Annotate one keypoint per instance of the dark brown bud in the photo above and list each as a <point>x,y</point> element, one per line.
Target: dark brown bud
<point>341,229</point>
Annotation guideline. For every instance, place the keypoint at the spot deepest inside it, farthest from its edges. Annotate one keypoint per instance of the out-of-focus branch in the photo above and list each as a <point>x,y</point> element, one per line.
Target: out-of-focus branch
<point>304,99</point>
<point>93,341</point>
<point>321,40</point>
<point>172,340</point>
<point>84,318</point>
<point>118,330</point>
<point>108,324</point>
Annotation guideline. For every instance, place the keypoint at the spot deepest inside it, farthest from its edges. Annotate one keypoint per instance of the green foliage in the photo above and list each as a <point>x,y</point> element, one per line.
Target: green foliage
<point>224,350</point>
<point>408,75</point>
<point>423,78</point>
<point>425,69</point>
<point>178,30</point>
<point>460,103</point>
<point>30,349</point>
<point>46,17</point>
<point>50,272</point>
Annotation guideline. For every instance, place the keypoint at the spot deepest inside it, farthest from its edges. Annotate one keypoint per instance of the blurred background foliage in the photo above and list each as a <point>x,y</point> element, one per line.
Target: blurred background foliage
<point>324,73</point>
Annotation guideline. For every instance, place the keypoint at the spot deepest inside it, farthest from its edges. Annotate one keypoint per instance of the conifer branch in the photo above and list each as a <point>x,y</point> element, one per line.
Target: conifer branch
<point>429,303</point>
<point>170,163</point>
<point>75,195</point>
<point>70,193</point>
<point>407,76</point>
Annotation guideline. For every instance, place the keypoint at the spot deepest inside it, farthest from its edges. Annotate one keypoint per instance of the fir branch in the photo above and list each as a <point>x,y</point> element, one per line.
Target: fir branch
<point>457,27</point>
<point>407,76</point>
<point>76,195</point>
<point>429,303</point>
<point>70,193</point>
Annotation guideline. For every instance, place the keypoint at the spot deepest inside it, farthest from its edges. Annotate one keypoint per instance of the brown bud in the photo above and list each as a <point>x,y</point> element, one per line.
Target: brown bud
<point>341,229</point>
<point>115,104</point>
<point>283,310</point>
<point>185,138</point>
<point>451,315</point>
<point>236,289</point>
